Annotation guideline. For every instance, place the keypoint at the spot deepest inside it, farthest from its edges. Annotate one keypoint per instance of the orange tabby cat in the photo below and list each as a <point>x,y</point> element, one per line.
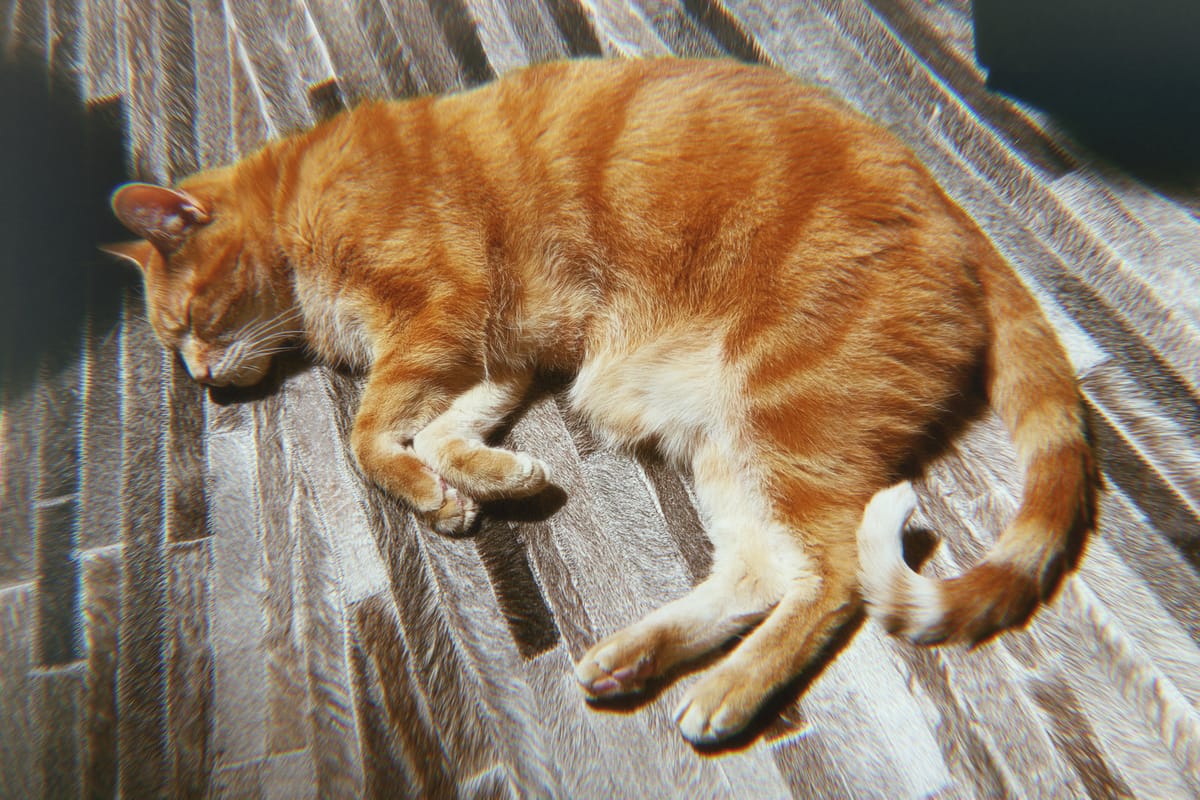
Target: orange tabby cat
<point>768,287</point>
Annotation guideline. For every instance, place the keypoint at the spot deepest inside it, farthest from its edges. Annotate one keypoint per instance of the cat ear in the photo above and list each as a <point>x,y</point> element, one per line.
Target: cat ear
<point>137,253</point>
<point>162,216</point>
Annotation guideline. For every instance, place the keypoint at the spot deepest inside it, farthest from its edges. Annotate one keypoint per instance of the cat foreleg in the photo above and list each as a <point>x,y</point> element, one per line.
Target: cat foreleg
<point>453,443</point>
<point>398,402</point>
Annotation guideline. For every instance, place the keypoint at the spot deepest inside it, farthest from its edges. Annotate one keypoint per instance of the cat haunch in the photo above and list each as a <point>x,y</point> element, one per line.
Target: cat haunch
<point>735,267</point>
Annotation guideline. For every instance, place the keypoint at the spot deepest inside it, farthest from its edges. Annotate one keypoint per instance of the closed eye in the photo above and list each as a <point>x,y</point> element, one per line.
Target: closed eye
<point>174,328</point>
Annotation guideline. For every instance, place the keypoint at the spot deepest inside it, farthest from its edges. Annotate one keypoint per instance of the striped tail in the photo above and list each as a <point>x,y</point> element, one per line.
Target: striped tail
<point>1030,383</point>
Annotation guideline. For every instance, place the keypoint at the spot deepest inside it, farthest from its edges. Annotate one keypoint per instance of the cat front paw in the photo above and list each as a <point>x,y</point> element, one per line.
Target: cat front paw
<point>456,515</point>
<point>530,476</point>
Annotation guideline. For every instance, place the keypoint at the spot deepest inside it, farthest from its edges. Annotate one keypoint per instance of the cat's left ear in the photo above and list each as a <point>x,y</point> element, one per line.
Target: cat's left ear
<point>164,217</point>
<point>137,253</point>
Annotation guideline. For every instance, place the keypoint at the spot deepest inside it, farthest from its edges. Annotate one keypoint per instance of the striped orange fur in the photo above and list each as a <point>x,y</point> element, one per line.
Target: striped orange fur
<point>736,268</point>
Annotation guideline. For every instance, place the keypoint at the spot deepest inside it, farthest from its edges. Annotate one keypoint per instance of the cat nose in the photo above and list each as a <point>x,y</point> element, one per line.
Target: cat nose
<point>200,372</point>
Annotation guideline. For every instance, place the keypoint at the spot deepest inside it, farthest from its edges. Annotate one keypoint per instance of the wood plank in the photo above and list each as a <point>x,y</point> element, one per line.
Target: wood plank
<point>430,64</point>
<point>333,727</point>
<point>104,63</point>
<point>1165,439</point>
<point>461,34</point>
<point>622,30</point>
<point>732,34</point>
<point>216,143</point>
<point>339,562</point>
<point>100,448</point>
<point>1161,755</point>
<point>101,579</point>
<point>575,26</point>
<point>280,60</point>
<point>866,719</point>
<point>678,509</point>
<point>286,688</point>
<point>189,664</point>
<point>8,14</point>
<point>1136,541</point>
<point>66,58</point>
<point>679,29</point>
<point>252,120</point>
<point>289,776</point>
<point>17,745</point>
<point>502,46</point>
<point>185,515</point>
<point>240,713</point>
<point>966,82</point>
<point>355,64</point>
<point>537,30</point>
<point>141,679</point>
<point>494,784</point>
<point>56,512</point>
<point>18,459</point>
<point>403,748</point>
<point>147,136</point>
<point>30,27</point>
<point>382,43</point>
<point>56,705</point>
<point>503,554</point>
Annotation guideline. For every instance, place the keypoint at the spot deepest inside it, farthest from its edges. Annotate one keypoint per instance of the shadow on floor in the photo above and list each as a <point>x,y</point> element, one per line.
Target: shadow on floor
<point>59,160</point>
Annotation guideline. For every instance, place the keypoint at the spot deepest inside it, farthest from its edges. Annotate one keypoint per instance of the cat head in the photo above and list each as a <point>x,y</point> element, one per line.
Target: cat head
<point>215,292</point>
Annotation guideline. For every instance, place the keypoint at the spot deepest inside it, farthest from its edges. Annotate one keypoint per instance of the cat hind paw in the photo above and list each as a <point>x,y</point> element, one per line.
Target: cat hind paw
<point>613,668</point>
<point>715,709</point>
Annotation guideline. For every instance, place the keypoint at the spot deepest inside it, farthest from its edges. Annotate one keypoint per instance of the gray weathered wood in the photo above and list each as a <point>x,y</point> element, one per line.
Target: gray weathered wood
<point>203,598</point>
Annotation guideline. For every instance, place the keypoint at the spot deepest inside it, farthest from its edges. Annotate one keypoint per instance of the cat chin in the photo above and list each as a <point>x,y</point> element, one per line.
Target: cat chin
<point>243,380</point>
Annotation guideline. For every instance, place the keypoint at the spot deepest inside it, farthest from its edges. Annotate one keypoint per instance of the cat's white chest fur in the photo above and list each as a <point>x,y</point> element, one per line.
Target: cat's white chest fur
<point>333,326</point>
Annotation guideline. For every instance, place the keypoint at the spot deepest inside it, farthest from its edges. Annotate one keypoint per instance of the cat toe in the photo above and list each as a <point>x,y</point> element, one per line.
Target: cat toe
<point>456,515</point>
<point>714,709</point>
<point>532,474</point>
<point>611,670</point>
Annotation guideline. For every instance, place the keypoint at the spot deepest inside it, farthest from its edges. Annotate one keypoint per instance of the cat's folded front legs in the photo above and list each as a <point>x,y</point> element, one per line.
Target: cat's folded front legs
<point>389,417</point>
<point>453,443</point>
<point>438,462</point>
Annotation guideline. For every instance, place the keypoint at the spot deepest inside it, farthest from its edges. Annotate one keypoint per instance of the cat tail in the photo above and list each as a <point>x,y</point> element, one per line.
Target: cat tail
<point>1032,386</point>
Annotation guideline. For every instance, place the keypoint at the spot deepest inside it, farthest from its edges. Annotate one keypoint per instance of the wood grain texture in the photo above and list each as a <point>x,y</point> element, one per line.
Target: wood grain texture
<point>199,595</point>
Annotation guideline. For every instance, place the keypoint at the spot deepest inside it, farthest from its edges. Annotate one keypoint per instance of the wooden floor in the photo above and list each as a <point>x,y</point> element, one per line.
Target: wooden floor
<point>199,596</point>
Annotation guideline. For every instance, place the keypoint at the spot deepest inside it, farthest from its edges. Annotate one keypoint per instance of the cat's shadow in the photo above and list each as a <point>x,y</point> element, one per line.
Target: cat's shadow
<point>283,367</point>
<point>534,508</point>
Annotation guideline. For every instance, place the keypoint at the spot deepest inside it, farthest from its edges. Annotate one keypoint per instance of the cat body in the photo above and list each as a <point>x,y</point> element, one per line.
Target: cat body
<point>767,287</point>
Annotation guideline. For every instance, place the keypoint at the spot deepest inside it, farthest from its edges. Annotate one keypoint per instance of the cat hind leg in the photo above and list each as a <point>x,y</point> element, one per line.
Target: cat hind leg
<point>712,613</point>
<point>811,610</point>
<point>754,562</point>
